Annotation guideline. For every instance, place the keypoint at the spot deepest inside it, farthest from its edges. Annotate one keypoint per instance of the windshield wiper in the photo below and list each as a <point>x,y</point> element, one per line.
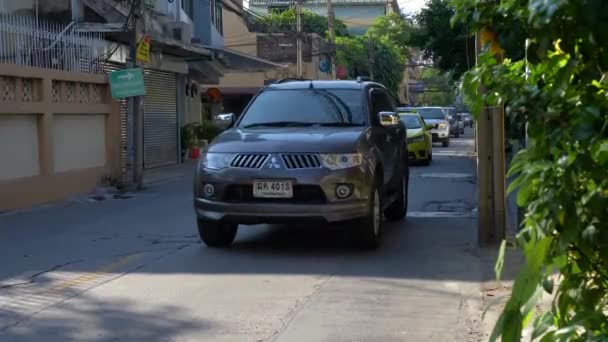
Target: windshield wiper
<point>279,124</point>
<point>340,124</point>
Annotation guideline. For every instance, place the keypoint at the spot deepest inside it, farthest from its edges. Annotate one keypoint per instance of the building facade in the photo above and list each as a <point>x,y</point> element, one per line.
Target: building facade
<point>357,15</point>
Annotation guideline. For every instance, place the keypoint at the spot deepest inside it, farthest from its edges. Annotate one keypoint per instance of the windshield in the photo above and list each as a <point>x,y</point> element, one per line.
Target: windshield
<point>411,121</point>
<point>431,113</point>
<point>305,106</point>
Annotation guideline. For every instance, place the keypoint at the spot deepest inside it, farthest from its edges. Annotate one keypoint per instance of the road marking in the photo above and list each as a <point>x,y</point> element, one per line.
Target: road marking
<point>90,277</point>
<point>441,214</point>
<point>446,175</point>
<point>454,154</point>
<point>24,303</point>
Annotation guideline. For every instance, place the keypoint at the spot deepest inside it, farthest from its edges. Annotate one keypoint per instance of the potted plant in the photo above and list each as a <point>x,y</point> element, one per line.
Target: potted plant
<point>185,138</point>
<point>189,140</point>
<point>207,132</point>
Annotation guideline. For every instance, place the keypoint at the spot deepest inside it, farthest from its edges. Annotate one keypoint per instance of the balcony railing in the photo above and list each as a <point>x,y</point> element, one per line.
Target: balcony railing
<point>288,2</point>
<point>38,43</point>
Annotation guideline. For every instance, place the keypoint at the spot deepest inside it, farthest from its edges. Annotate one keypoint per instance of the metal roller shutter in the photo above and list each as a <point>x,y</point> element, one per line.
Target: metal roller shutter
<point>160,119</point>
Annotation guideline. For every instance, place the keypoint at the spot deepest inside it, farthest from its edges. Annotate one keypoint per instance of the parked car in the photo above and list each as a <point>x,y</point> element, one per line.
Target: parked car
<point>467,119</point>
<point>419,138</point>
<point>455,126</point>
<point>302,151</point>
<point>436,117</point>
<point>460,121</point>
<point>406,109</point>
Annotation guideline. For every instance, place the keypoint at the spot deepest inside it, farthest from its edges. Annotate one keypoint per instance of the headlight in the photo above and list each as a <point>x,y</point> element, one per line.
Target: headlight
<point>419,138</point>
<point>216,161</point>
<point>341,161</point>
<point>443,125</point>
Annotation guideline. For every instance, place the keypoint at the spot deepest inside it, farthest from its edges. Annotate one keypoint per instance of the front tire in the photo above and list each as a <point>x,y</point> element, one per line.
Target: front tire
<point>216,233</point>
<point>369,228</point>
<point>445,142</point>
<point>428,159</point>
<point>398,210</point>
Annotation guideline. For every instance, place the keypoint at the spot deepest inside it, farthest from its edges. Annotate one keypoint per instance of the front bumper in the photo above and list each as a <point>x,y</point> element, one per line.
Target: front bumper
<point>439,135</point>
<point>418,150</point>
<point>314,195</point>
<point>257,213</point>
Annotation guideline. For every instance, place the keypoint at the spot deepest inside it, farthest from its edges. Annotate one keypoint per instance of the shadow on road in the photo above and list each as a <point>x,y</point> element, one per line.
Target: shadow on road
<point>88,318</point>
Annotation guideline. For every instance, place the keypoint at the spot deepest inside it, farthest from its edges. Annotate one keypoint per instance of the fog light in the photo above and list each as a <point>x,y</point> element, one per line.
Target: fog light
<point>343,191</point>
<point>208,190</point>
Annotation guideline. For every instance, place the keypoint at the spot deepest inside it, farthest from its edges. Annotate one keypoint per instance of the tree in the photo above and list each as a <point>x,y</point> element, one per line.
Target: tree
<point>561,93</point>
<point>353,53</point>
<point>439,88</point>
<point>452,49</point>
<point>390,35</point>
<point>395,28</point>
<point>285,21</point>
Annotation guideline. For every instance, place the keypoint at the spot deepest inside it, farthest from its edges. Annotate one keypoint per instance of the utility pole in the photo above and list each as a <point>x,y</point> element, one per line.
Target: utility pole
<point>332,34</point>
<point>299,70</point>
<point>491,163</point>
<point>135,106</point>
<point>370,53</point>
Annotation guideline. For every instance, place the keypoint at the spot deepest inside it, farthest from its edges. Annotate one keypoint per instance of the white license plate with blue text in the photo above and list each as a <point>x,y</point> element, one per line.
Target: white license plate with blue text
<point>272,189</point>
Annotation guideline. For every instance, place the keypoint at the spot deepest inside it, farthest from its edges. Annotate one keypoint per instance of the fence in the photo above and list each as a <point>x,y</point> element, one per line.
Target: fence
<point>59,134</point>
<point>308,2</point>
<point>30,42</point>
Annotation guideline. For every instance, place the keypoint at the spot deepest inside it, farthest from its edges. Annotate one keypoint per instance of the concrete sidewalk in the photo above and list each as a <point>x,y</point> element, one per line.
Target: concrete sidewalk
<point>169,173</point>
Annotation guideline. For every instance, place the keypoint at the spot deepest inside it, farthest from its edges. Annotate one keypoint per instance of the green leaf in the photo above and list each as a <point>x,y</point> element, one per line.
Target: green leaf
<point>541,325</point>
<point>523,194</point>
<point>600,152</point>
<point>512,325</point>
<point>498,328</point>
<point>500,260</point>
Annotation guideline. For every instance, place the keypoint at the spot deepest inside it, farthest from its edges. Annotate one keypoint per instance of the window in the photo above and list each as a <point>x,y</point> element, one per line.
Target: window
<point>217,18</point>
<point>411,121</point>
<point>314,106</point>
<point>380,102</point>
<point>431,113</point>
<point>187,7</point>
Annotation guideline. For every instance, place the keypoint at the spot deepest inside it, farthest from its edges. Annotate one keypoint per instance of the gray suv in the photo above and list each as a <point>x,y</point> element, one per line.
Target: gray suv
<point>319,151</point>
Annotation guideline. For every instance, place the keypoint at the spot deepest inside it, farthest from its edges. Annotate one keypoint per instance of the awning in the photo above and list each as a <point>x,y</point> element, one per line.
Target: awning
<point>168,46</point>
<point>180,49</point>
<point>238,61</point>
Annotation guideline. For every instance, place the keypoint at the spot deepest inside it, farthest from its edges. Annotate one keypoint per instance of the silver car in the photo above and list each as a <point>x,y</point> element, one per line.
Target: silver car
<point>438,118</point>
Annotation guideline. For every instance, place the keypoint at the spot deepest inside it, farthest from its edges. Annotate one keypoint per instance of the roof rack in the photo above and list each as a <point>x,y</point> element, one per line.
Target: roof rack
<point>291,79</point>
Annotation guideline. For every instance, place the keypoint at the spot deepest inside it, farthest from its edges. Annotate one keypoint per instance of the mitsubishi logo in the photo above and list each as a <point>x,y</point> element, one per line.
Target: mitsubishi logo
<point>273,163</point>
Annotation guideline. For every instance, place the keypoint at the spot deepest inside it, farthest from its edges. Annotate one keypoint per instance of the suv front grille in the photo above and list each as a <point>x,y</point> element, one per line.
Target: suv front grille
<point>249,160</point>
<point>301,161</point>
<point>302,194</point>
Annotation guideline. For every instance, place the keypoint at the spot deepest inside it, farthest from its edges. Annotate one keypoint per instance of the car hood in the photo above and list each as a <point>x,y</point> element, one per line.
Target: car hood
<point>289,139</point>
<point>434,121</point>
<point>414,132</point>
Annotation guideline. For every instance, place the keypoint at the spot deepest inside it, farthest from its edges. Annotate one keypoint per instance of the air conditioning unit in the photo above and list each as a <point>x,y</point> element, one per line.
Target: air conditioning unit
<point>181,31</point>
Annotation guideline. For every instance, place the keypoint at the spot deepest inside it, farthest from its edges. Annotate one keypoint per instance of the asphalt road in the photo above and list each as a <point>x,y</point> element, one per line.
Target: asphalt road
<point>133,269</point>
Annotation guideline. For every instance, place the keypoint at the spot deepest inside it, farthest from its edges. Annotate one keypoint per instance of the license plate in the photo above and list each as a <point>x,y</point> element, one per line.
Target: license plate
<point>272,189</point>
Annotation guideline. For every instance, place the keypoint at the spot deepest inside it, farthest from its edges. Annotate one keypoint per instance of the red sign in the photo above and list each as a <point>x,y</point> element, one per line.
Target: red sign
<point>341,72</point>
<point>215,95</point>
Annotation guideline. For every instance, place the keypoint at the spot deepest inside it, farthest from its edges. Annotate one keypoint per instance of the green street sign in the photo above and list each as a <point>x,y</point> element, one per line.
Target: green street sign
<point>126,83</point>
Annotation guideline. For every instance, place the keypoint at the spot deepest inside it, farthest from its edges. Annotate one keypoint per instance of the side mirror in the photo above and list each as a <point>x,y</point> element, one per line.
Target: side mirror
<point>430,126</point>
<point>388,119</point>
<point>224,121</point>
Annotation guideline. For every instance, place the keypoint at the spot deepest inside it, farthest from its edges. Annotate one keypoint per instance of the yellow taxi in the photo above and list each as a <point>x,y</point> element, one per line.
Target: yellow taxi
<point>419,139</point>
